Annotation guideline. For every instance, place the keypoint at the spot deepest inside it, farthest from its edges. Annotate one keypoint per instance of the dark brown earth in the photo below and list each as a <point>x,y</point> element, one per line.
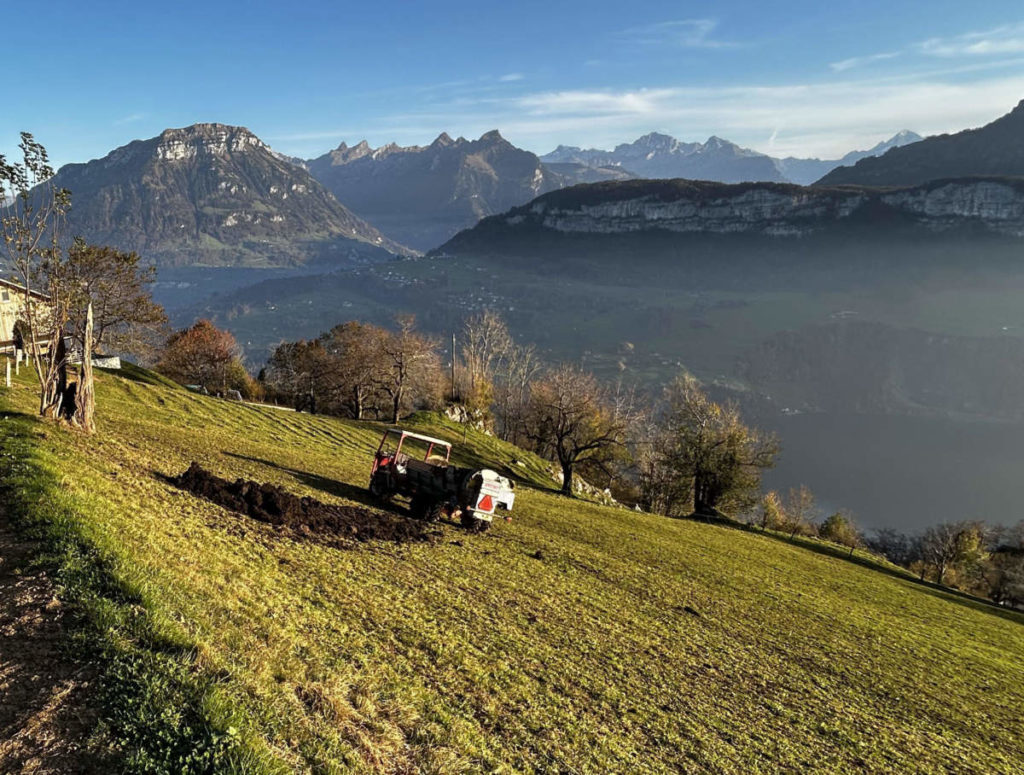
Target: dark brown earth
<point>46,715</point>
<point>306,517</point>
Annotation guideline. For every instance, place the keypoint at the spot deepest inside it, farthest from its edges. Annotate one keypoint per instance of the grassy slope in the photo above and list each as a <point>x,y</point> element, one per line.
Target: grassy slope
<point>632,643</point>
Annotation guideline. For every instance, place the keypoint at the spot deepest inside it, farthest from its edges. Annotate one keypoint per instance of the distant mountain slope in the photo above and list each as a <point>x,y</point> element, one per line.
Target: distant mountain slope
<point>994,205</point>
<point>806,171</point>
<point>422,195</point>
<point>661,156</point>
<point>212,194</point>
<point>994,149</point>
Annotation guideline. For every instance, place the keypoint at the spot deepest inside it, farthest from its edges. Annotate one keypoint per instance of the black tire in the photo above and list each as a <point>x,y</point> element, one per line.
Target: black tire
<point>473,523</point>
<point>379,488</point>
<point>434,511</point>
<point>418,507</point>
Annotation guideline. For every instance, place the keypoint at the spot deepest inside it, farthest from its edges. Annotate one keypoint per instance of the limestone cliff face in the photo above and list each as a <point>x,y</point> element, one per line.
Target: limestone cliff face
<point>211,194</point>
<point>778,210</point>
<point>944,205</point>
<point>760,210</point>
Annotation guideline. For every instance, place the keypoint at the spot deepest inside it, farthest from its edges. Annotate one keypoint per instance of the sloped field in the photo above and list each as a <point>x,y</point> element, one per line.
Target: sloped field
<point>577,638</point>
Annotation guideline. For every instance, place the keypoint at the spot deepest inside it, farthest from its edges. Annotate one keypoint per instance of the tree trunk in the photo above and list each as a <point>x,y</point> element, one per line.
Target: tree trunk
<point>85,395</point>
<point>51,396</point>
<point>396,406</point>
<point>567,478</point>
<point>357,403</point>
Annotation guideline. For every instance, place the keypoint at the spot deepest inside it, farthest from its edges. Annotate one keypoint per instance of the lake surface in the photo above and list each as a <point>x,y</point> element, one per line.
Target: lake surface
<point>903,472</point>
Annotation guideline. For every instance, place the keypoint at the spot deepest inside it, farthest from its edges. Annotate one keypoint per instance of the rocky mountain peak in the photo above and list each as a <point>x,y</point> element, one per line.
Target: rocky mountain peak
<point>443,140</point>
<point>204,140</point>
<point>491,138</point>
<point>213,194</point>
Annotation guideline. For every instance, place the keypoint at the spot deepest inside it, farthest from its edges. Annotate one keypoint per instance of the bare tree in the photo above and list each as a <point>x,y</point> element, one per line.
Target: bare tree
<point>485,343</point>
<point>32,225</point>
<point>303,372</point>
<point>1005,569</point>
<point>411,360</point>
<point>895,546</point>
<point>520,368</point>
<point>360,363</point>
<point>801,511</point>
<point>574,420</point>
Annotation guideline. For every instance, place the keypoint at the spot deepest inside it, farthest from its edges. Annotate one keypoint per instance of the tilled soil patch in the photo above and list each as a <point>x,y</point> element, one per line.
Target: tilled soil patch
<point>304,516</point>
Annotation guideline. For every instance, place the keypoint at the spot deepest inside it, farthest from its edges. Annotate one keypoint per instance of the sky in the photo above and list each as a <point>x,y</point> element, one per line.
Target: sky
<point>785,78</point>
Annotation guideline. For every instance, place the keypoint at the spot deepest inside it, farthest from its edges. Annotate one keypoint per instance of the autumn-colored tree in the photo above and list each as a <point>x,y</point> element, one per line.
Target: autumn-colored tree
<point>839,528</point>
<point>801,511</point>
<point>953,546</point>
<point>773,515</point>
<point>574,420</point>
<point>204,355</point>
<point>117,285</point>
<point>708,444</point>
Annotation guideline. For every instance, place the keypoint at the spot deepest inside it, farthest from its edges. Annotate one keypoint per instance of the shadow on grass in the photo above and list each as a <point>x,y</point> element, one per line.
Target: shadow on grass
<point>331,486</point>
<point>135,373</point>
<point>836,552</point>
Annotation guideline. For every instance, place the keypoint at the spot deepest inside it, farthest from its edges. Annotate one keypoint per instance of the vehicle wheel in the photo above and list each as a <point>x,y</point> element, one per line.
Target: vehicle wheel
<point>434,511</point>
<point>418,507</point>
<point>473,523</point>
<point>379,488</point>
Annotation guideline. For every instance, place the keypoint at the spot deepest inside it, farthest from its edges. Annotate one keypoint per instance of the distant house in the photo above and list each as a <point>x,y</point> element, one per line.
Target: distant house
<point>12,309</point>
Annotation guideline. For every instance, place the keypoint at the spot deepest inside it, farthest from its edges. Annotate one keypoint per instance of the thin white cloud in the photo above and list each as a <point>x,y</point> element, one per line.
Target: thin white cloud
<point>130,119</point>
<point>852,62</point>
<point>683,33</point>
<point>510,77</point>
<point>1007,39</point>
<point>1000,41</point>
<point>801,119</point>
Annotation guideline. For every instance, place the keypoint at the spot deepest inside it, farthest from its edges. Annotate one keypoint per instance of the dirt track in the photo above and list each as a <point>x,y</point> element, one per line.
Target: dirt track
<point>45,715</point>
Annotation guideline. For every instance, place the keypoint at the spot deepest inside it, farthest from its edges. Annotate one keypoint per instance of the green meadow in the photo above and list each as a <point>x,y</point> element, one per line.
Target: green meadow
<point>577,638</point>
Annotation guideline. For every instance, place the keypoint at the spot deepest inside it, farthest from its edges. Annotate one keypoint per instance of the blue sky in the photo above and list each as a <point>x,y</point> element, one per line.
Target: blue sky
<point>804,78</point>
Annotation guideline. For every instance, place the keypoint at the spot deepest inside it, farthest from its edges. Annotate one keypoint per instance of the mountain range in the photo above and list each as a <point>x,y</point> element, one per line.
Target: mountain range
<point>422,195</point>
<point>212,194</point>
<point>661,156</point>
<point>994,149</point>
